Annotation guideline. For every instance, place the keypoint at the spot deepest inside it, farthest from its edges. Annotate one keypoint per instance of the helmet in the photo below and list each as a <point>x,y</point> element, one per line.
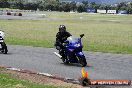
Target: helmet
<point>2,34</point>
<point>62,28</point>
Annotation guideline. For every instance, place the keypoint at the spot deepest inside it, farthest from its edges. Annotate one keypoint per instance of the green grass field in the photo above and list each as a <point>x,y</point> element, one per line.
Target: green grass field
<point>6,81</point>
<point>104,33</point>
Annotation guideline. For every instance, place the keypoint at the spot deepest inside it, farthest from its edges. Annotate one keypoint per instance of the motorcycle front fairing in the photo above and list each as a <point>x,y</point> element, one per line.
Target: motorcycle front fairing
<point>74,48</point>
<point>1,40</point>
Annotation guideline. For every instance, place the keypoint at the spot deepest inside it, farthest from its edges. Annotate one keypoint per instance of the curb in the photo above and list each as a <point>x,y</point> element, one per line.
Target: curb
<point>68,80</point>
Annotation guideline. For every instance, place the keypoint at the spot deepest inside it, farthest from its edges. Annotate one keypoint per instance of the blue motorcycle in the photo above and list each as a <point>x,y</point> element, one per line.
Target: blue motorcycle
<point>73,51</point>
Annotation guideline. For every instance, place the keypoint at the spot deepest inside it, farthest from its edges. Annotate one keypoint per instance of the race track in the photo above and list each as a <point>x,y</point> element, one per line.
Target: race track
<point>100,65</point>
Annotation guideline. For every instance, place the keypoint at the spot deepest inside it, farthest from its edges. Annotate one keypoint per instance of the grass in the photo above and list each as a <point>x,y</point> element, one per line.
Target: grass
<point>6,81</point>
<point>104,33</point>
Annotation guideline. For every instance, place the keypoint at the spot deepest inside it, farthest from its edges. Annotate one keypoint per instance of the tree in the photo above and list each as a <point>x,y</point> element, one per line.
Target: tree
<point>66,7</point>
<point>4,4</point>
<point>30,6</point>
<point>80,7</point>
<point>73,6</point>
<point>129,8</point>
<point>121,6</point>
<point>85,3</point>
<point>48,5</point>
<point>94,5</point>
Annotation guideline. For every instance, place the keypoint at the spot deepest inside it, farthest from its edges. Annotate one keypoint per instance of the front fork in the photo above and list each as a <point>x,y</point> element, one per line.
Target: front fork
<point>80,54</point>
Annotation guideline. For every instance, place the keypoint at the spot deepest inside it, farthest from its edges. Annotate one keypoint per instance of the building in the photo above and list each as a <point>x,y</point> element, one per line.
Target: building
<point>111,11</point>
<point>101,11</point>
<point>122,12</point>
<point>91,10</point>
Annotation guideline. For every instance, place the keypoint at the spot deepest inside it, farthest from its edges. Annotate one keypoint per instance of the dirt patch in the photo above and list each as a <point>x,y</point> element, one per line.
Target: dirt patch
<point>40,79</point>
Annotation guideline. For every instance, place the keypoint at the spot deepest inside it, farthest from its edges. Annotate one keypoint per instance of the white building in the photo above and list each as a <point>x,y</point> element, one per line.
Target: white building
<point>101,11</point>
<point>111,11</point>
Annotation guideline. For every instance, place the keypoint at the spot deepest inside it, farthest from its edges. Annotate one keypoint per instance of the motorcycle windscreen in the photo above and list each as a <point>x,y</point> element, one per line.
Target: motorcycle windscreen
<point>0,46</point>
<point>73,39</point>
<point>1,40</point>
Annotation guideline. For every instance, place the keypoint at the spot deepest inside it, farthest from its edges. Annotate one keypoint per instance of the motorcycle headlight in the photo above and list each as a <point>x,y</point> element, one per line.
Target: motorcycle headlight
<point>77,45</point>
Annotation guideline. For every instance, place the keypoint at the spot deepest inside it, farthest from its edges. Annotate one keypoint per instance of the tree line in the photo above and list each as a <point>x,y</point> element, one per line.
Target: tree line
<point>57,5</point>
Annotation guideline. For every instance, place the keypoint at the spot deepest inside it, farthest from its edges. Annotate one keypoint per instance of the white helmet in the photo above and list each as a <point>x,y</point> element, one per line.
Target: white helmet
<point>2,34</point>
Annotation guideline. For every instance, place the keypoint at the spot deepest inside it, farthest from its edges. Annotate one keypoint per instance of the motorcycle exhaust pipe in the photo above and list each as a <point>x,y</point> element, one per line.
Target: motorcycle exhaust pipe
<point>57,54</point>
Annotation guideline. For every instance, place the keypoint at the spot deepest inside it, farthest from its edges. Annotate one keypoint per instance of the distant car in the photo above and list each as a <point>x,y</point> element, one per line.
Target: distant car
<point>18,14</point>
<point>8,13</point>
<point>14,13</point>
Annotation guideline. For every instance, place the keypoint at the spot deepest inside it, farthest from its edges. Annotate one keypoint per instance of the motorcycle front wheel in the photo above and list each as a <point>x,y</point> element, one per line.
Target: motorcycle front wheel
<point>65,61</point>
<point>4,48</point>
<point>82,61</point>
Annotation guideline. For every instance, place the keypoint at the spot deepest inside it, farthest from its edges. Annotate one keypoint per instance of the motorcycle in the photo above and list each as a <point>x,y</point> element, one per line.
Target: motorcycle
<point>3,47</point>
<point>73,51</point>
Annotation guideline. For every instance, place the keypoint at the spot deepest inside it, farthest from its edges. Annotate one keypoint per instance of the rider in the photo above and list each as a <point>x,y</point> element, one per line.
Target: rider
<point>2,35</point>
<point>61,36</point>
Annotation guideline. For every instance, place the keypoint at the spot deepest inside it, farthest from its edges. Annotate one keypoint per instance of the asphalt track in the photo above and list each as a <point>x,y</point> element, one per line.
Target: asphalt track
<point>44,17</point>
<point>100,65</point>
